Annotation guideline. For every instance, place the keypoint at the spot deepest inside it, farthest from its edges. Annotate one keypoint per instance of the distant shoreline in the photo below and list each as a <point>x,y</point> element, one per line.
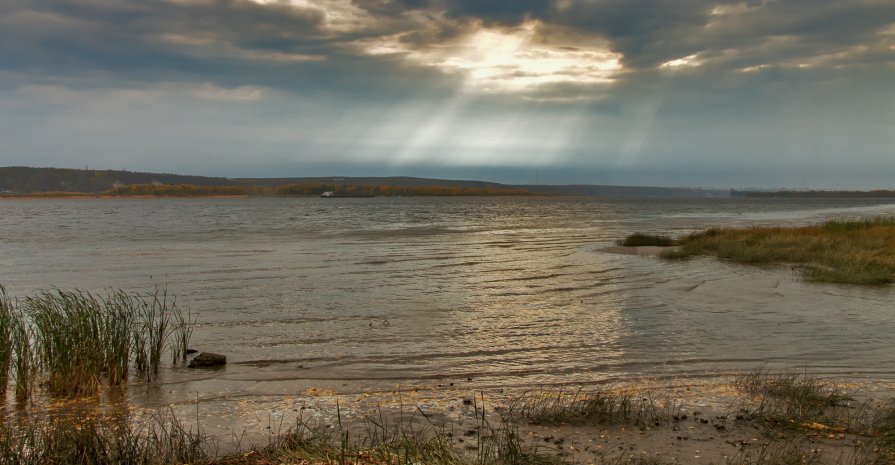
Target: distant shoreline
<point>245,196</point>
<point>106,196</point>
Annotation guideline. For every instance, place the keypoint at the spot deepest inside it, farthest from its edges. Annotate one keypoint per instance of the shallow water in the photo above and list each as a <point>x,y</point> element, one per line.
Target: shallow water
<point>355,294</point>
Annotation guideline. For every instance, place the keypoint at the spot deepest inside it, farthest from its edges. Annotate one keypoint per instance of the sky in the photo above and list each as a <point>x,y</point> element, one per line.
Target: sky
<point>713,93</point>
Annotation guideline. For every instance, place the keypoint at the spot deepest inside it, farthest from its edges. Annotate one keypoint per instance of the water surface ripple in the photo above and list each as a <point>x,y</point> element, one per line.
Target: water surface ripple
<point>401,290</point>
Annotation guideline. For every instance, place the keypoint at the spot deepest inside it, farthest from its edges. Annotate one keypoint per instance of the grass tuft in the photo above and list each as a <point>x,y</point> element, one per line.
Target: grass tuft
<point>795,400</point>
<point>587,407</point>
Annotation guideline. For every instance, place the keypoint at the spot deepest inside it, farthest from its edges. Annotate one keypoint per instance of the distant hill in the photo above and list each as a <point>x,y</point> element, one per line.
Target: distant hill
<point>811,194</point>
<point>627,191</point>
<point>399,181</point>
<point>25,180</point>
<point>574,189</point>
<point>20,179</point>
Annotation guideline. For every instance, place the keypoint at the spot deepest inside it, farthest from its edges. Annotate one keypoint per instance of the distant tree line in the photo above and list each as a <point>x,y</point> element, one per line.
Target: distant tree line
<point>813,194</point>
<point>27,180</point>
<point>186,190</point>
<point>189,190</point>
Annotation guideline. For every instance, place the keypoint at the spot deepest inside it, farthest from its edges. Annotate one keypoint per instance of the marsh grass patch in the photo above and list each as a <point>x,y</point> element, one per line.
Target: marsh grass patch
<point>838,251</point>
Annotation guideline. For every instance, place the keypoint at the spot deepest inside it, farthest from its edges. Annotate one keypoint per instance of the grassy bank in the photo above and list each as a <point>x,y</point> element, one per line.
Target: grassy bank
<point>850,252</point>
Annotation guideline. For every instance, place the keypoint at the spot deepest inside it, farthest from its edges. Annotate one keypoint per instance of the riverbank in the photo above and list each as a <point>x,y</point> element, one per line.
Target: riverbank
<point>838,251</point>
<point>754,418</point>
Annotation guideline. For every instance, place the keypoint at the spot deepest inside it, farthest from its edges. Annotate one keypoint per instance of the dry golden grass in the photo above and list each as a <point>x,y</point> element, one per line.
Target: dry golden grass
<point>850,252</point>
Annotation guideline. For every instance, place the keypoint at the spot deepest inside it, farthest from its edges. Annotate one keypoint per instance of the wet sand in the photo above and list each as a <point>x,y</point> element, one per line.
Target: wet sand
<point>696,417</point>
<point>696,423</point>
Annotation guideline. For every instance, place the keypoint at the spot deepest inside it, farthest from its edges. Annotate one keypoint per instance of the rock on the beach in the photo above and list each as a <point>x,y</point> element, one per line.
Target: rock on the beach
<point>208,359</point>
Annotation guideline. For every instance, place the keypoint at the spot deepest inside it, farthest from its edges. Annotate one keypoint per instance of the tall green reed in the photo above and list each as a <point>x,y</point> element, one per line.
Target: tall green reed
<point>74,340</point>
<point>68,329</point>
<point>6,316</point>
<point>158,310</point>
<point>157,319</point>
<point>117,323</point>
<point>182,333</point>
<point>24,361</point>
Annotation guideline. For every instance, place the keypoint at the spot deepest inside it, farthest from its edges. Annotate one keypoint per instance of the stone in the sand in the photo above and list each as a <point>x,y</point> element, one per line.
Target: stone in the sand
<point>208,360</point>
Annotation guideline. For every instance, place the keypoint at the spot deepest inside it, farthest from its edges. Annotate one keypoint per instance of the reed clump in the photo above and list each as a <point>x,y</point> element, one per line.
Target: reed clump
<point>73,341</point>
<point>848,252</point>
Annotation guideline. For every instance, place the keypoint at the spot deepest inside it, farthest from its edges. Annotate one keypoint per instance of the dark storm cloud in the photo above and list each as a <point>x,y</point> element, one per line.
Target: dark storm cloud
<point>113,28</point>
<point>651,32</point>
<point>243,42</point>
<point>229,42</point>
<point>501,11</point>
<point>778,30</point>
<point>136,37</point>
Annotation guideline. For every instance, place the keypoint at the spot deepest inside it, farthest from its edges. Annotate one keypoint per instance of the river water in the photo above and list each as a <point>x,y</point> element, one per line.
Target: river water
<point>360,294</point>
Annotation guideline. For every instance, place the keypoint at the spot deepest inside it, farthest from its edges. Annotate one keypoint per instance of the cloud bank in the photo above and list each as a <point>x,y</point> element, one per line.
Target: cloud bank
<point>768,93</point>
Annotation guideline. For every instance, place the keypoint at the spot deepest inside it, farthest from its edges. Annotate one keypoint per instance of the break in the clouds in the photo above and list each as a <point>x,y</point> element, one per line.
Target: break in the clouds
<point>797,93</point>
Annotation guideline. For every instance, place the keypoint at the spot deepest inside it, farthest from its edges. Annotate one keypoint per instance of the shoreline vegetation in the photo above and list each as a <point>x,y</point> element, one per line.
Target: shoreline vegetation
<point>837,251</point>
<point>31,182</point>
<point>817,194</point>
<point>780,418</point>
<point>68,343</point>
<point>291,190</point>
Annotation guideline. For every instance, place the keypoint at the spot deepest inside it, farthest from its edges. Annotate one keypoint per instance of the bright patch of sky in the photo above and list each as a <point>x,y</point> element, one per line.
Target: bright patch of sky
<point>508,60</point>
